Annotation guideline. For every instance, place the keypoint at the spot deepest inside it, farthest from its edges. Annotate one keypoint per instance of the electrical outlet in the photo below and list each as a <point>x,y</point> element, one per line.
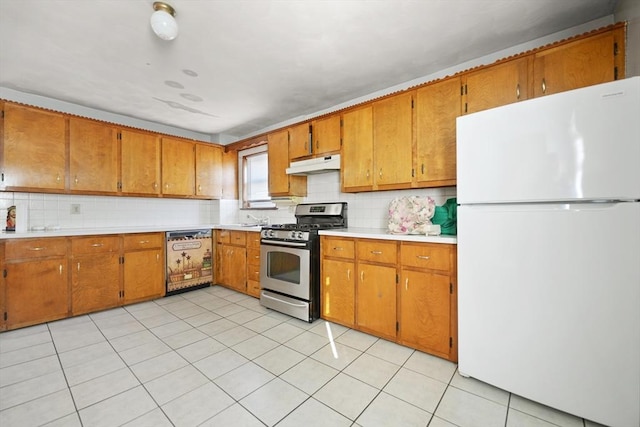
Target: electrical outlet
<point>75,209</point>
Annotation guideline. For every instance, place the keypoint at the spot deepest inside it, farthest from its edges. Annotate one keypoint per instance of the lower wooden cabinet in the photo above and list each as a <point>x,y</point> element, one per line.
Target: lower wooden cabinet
<point>231,247</point>
<point>36,281</point>
<point>144,269</point>
<point>51,278</point>
<point>253,264</point>
<point>401,291</point>
<point>95,273</point>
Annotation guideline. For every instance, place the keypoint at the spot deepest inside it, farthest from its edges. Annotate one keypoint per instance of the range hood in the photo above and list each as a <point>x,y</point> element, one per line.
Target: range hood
<point>314,166</point>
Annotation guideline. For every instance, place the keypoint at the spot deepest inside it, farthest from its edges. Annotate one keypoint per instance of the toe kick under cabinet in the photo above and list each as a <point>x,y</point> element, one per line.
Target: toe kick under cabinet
<point>51,278</point>
<point>402,291</point>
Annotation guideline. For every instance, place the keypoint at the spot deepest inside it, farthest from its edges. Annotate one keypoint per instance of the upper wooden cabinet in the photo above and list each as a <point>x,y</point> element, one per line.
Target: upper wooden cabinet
<point>326,135</point>
<point>357,149</point>
<point>281,184</point>
<point>300,141</point>
<point>208,171</point>
<point>583,62</point>
<point>392,141</point>
<point>178,167</point>
<point>93,156</point>
<point>33,149</point>
<point>499,84</point>
<point>437,106</point>
<point>230,174</point>
<point>140,162</point>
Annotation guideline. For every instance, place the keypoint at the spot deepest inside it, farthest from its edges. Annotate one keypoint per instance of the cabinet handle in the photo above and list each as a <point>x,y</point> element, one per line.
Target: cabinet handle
<point>76,180</point>
<point>380,173</point>
<point>406,284</point>
<point>61,269</point>
<point>422,257</point>
<point>338,248</point>
<point>367,173</point>
<point>348,274</point>
<point>166,186</point>
<point>518,91</point>
<point>376,252</point>
<point>142,242</point>
<point>78,266</point>
<point>58,178</point>
<point>544,86</point>
<point>317,144</point>
<point>157,257</point>
<point>362,276</point>
<point>155,185</point>
<point>38,248</point>
<point>199,188</point>
<point>97,245</point>
<point>423,169</point>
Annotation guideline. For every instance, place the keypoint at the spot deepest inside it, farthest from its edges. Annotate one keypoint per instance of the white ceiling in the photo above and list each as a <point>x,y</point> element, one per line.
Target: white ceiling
<point>240,66</point>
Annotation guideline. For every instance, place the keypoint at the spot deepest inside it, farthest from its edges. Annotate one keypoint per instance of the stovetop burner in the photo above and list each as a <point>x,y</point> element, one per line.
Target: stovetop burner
<point>310,218</point>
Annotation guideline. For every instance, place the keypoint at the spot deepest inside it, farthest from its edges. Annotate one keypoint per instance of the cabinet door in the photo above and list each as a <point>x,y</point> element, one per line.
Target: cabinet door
<point>437,107</point>
<point>578,64</point>
<point>299,141</point>
<point>357,149</point>
<point>143,275</point>
<point>95,282</point>
<point>37,291</point>
<point>425,313</point>
<point>178,167</point>
<point>234,261</point>
<point>281,184</point>
<point>209,171</point>
<point>376,300</point>
<point>93,156</point>
<point>392,139</point>
<point>230,175</point>
<point>338,291</point>
<point>140,162</point>
<point>497,85</point>
<point>326,135</point>
<point>33,148</point>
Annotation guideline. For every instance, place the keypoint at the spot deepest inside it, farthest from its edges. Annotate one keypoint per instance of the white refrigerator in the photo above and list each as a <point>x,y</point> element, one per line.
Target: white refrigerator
<point>549,250</point>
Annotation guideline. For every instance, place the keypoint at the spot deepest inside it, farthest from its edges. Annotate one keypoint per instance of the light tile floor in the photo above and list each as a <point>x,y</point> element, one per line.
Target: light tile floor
<point>215,357</point>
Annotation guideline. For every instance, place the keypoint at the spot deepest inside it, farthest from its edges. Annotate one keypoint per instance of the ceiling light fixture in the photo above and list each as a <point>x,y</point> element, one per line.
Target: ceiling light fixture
<point>163,22</point>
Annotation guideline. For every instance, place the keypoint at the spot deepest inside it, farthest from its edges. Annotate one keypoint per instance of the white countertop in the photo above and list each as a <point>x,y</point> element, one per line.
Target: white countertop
<point>383,234</point>
<point>67,232</point>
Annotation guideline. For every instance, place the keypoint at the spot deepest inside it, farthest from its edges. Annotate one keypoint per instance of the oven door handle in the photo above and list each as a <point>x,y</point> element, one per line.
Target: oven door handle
<point>284,302</point>
<point>275,242</point>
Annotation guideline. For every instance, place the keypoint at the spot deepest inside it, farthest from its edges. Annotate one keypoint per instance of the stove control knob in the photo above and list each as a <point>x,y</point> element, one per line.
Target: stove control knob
<point>292,235</point>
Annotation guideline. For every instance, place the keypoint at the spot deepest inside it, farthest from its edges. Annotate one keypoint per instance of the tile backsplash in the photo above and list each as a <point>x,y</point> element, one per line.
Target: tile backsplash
<point>365,209</point>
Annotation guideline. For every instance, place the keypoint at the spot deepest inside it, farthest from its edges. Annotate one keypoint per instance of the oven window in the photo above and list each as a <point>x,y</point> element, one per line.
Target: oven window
<point>283,266</point>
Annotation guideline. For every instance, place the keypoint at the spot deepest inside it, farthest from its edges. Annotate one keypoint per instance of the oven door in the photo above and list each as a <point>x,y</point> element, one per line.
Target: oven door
<point>285,268</point>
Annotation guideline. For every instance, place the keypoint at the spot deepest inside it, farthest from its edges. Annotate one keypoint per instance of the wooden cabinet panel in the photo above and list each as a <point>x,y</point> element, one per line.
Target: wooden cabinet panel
<point>376,300</point>
<point>253,240</point>
<point>94,244</point>
<point>33,149</point>
<point>299,141</point>
<point>253,288</point>
<point>35,248</point>
<point>357,149</point>
<point>425,314</point>
<point>436,108</point>
<point>581,63</point>
<point>140,153</point>
<point>230,175</point>
<point>393,143</point>
<point>139,241</point>
<point>37,291</point>
<point>497,85</point>
<point>326,135</point>
<point>338,291</point>
<point>423,255</point>
<point>253,256</point>
<point>378,251</point>
<point>208,171</point>
<point>93,156</point>
<point>338,248</point>
<point>95,282</point>
<point>238,238</point>
<point>281,184</point>
<point>143,275</point>
<point>234,265</point>
<point>178,167</point>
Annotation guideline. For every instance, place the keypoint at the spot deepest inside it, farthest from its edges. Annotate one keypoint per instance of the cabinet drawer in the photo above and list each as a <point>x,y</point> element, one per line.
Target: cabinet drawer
<point>238,238</point>
<point>253,288</point>
<point>253,272</point>
<point>377,251</point>
<point>95,244</point>
<point>223,236</point>
<point>435,257</point>
<point>339,248</point>
<point>253,256</point>
<point>35,248</point>
<point>253,240</point>
<point>134,242</point>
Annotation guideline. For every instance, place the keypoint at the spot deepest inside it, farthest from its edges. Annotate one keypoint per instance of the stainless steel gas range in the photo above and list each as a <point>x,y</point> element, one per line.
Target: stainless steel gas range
<point>290,259</point>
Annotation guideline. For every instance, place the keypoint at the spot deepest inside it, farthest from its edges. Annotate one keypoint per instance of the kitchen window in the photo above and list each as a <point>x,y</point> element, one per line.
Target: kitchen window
<point>254,180</point>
